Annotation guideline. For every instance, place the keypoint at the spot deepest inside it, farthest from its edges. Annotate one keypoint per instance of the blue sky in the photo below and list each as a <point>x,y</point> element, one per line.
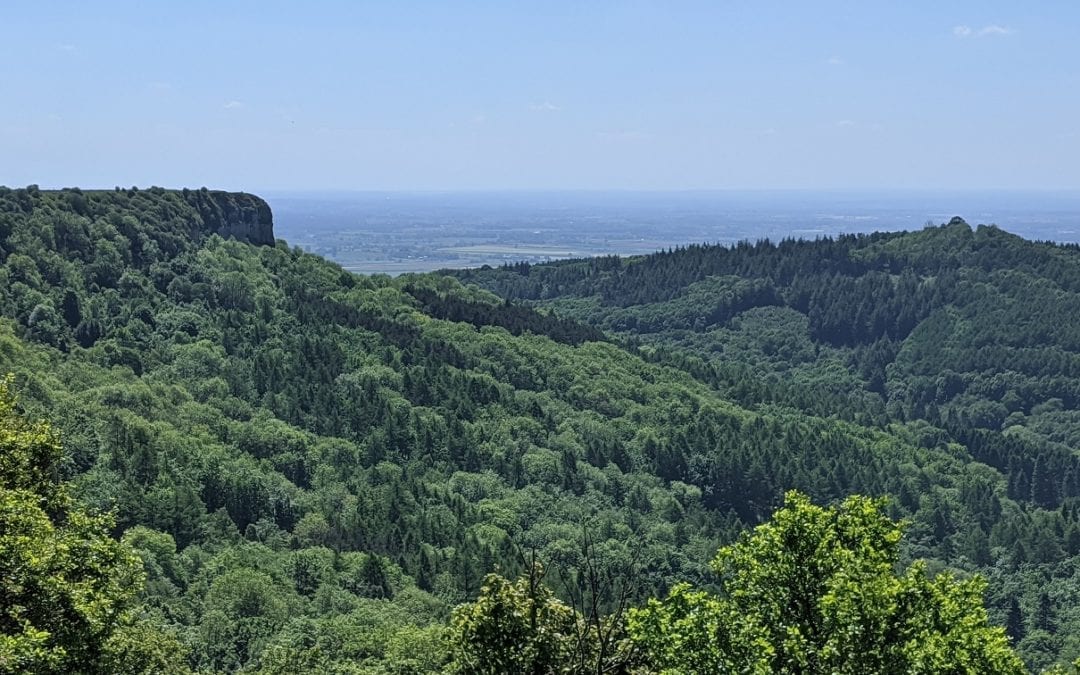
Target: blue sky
<point>545,95</point>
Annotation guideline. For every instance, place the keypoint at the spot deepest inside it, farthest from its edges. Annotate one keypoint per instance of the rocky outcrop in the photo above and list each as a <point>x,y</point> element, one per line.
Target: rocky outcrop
<point>195,214</point>
<point>240,215</point>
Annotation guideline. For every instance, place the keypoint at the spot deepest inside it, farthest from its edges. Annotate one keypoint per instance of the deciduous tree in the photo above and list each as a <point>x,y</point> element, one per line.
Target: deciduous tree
<point>815,591</point>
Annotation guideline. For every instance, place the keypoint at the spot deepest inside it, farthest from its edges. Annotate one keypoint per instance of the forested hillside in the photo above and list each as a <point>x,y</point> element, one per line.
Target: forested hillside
<point>315,467</point>
<point>960,337</point>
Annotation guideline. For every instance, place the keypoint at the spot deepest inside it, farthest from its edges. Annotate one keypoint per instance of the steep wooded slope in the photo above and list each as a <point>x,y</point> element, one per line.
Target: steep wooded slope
<point>318,465</point>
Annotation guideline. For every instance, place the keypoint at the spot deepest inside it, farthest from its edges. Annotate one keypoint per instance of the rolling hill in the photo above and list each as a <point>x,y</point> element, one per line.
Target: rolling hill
<point>314,466</point>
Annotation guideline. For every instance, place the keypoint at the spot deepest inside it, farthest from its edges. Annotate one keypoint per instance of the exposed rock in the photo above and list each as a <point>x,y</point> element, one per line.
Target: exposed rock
<point>243,216</point>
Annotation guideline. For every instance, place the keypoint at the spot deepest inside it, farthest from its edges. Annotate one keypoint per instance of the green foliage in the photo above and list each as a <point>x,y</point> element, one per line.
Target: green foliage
<point>955,338</point>
<point>815,591</point>
<point>355,454</point>
<point>31,455</point>
<point>64,583</point>
<point>513,627</point>
<point>244,609</point>
<point>144,648</point>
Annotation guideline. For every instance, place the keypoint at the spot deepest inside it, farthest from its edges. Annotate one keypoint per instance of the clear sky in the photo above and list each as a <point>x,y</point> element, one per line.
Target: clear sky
<point>541,95</point>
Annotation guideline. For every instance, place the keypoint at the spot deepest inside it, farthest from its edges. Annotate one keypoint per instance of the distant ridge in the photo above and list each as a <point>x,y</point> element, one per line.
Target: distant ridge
<point>240,215</point>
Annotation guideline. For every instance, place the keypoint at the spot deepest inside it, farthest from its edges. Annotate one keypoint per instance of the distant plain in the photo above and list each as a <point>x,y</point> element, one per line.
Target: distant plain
<point>400,232</point>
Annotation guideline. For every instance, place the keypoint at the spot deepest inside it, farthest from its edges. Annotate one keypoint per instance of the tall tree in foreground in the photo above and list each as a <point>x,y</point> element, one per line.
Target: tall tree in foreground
<point>515,627</point>
<point>64,582</point>
<point>816,591</point>
<point>521,627</point>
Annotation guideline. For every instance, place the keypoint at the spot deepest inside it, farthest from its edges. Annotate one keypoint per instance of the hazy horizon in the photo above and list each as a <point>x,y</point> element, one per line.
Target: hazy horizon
<point>412,231</point>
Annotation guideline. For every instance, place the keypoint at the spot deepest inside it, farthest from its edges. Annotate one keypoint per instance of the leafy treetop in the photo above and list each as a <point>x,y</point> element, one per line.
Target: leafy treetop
<point>815,591</point>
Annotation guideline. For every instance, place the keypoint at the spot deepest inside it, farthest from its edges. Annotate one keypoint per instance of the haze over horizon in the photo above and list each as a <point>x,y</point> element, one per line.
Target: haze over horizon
<point>481,96</point>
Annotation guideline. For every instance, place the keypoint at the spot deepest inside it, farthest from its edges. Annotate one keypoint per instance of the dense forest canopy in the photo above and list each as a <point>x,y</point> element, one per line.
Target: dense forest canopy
<point>952,336</point>
<point>315,468</point>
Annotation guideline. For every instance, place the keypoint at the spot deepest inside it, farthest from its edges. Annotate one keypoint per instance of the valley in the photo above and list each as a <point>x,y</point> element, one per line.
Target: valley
<point>315,468</point>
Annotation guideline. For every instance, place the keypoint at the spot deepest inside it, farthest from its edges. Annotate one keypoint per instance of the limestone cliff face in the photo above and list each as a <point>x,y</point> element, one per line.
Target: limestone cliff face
<point>240,215</point>
<point>195,214</point>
